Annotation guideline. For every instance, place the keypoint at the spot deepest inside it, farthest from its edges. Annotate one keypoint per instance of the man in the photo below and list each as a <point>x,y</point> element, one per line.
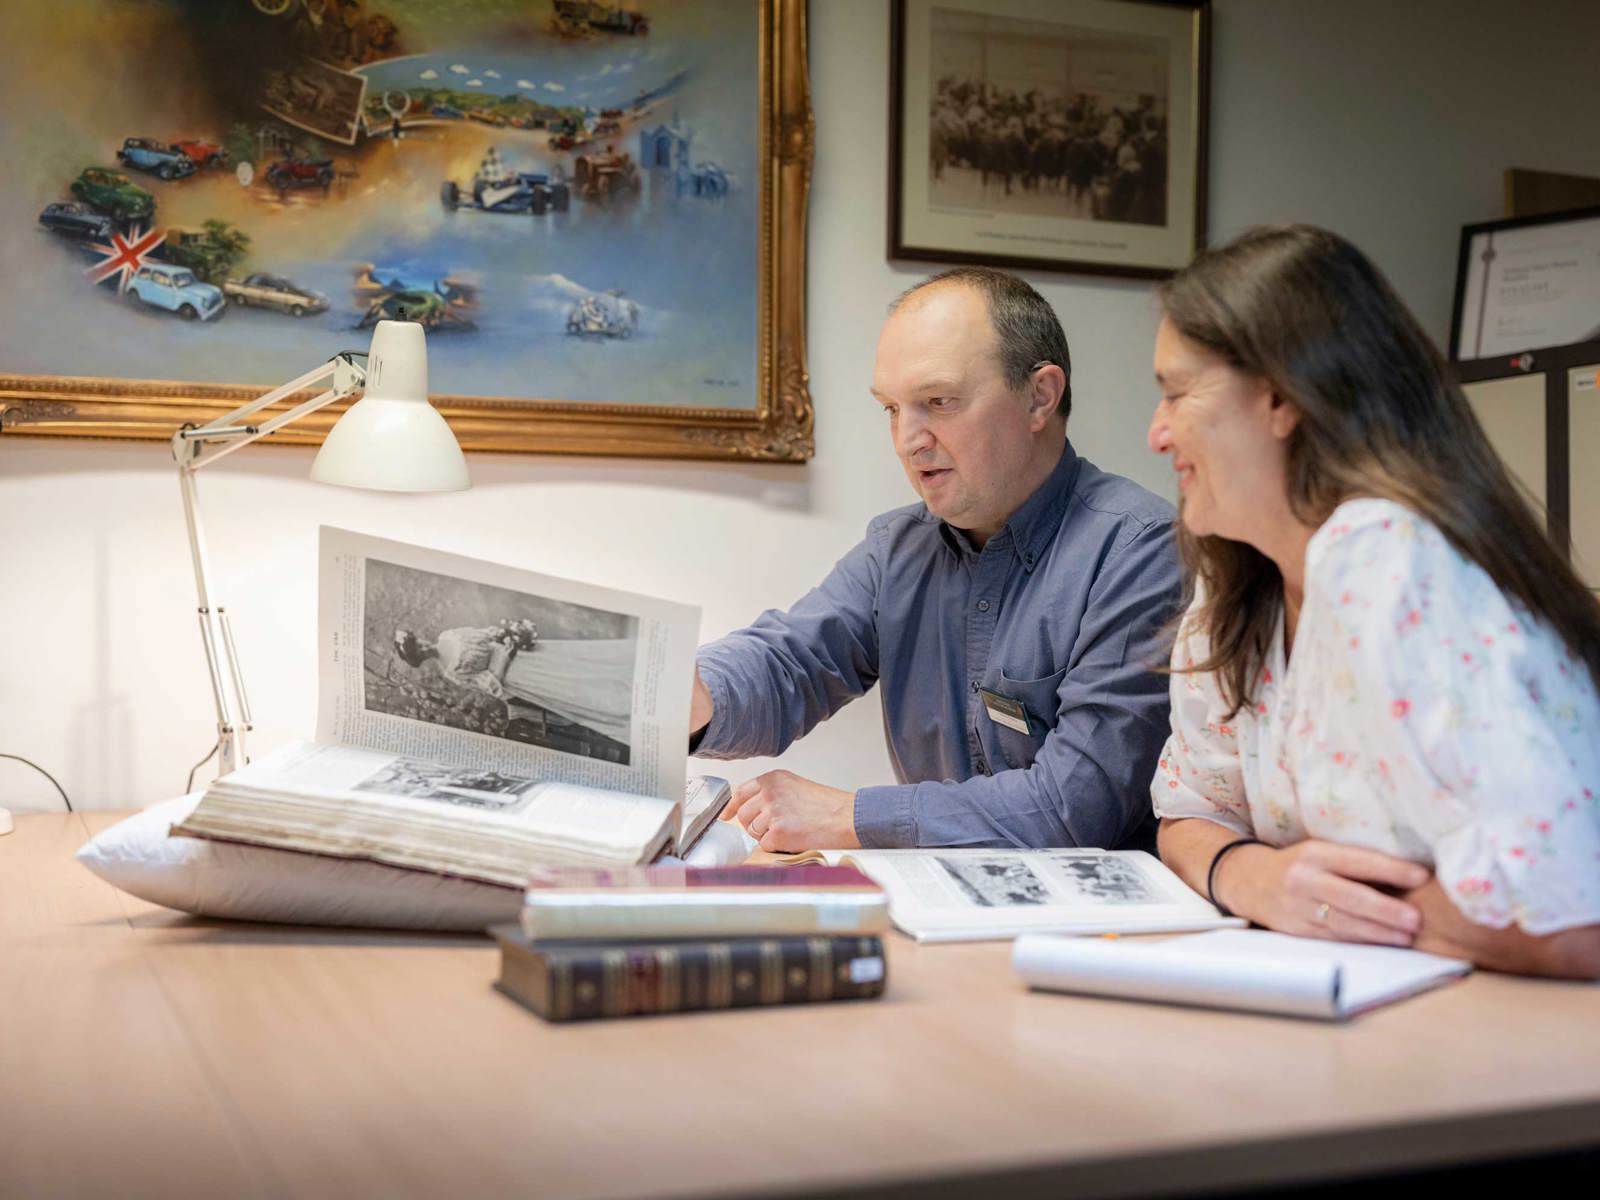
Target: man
<point>1012,618</point>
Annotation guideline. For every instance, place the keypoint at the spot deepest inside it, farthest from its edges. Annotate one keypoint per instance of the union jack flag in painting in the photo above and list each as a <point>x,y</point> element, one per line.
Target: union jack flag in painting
<point>125,255</point>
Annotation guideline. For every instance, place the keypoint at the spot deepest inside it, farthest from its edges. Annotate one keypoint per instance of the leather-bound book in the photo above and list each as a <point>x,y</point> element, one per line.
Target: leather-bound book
<point>571,981</point>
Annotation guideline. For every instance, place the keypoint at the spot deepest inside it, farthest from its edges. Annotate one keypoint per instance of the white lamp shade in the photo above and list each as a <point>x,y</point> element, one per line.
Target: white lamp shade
<point>392,439</point>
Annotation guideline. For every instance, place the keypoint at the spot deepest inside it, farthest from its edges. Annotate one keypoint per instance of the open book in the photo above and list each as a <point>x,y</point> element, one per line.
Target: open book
<point>990,895</point>
<point>1236,968</point>
<point>477,720</point>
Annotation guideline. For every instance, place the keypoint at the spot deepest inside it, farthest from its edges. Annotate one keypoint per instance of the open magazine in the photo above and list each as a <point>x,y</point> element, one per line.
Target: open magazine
<point>477,720</point>
<point>989,895</point>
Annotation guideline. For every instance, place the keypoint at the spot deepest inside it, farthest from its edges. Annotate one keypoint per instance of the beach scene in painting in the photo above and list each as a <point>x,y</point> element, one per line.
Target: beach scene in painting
<point>564,193</point>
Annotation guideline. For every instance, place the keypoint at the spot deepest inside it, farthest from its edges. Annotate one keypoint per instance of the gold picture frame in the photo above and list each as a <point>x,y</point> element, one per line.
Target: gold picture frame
<point>779,428</point>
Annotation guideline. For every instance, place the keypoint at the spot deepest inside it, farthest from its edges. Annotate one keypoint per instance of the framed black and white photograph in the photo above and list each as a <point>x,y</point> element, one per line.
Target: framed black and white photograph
<point>1067,137</point>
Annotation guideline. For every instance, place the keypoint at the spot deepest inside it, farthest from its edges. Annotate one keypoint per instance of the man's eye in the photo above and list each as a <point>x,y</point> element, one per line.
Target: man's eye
<point>941,402</point>
<point>890,411</point>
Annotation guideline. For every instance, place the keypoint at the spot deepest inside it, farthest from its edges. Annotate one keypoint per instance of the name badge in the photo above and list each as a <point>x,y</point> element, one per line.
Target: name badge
<point>1003,710</point>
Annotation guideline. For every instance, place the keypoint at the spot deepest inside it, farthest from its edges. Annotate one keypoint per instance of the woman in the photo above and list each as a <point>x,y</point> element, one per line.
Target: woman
<point>1385,724</point>
<point>588,681</point>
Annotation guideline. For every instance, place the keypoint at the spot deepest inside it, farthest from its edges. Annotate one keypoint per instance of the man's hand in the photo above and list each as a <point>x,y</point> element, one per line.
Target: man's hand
<point>700,705</point>
<point>785,812</point>
<point>1324,889</point>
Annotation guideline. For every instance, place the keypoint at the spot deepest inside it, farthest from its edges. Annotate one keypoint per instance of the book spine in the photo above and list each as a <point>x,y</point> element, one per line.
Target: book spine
<point>594,981</point>
<point>849,914</point>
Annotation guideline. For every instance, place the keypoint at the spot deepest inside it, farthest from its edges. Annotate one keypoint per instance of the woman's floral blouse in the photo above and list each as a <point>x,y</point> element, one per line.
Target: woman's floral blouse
<point>1422,714</point>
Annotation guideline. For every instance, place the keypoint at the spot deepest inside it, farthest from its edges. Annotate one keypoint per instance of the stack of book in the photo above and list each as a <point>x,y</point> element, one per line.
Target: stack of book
<point>614,943</point>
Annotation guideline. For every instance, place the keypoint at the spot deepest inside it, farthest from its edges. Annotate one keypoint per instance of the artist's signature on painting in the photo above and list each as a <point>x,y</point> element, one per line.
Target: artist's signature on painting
<point>720,383</point>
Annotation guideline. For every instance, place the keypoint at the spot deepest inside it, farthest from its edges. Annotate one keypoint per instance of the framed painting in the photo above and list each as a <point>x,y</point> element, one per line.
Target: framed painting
<point>596,210</point>
<point>1061,137</point>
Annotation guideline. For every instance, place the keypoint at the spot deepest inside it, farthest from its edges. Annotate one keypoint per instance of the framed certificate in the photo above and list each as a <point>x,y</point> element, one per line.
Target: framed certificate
<point>1527,284</point>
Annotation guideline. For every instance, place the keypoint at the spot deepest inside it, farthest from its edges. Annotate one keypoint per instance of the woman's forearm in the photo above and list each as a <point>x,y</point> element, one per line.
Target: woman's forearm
<point>1188,844</point>
<point>1569,954</point>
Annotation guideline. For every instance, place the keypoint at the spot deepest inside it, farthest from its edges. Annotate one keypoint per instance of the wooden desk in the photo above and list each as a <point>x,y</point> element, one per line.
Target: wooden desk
<point>144,1053</point>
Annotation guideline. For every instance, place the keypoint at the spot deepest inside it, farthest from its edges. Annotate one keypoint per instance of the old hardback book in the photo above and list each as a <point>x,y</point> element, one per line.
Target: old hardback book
<point>475,719</point>
<point>676,902</point>
<point>574,981</point>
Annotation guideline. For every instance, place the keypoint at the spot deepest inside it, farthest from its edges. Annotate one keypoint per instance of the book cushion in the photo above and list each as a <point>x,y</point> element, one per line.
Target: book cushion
<point>259,883</point>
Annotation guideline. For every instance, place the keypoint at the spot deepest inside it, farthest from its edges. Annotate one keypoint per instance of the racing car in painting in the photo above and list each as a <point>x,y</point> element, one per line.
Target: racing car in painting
<point>496,188</point>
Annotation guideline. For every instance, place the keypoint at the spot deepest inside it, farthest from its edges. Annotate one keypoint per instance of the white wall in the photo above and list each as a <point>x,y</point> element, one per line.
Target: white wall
<point>1389,122</point>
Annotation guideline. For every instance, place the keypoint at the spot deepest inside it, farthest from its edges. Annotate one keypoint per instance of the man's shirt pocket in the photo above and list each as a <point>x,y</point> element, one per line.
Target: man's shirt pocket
<point>1008,747</point>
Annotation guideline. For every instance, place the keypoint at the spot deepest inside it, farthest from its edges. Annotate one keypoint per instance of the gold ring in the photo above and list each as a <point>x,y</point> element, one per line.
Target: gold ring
<point>1322,913</point>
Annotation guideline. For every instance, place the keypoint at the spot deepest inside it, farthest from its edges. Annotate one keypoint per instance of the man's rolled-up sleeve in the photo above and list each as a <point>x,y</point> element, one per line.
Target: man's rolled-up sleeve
<point>773,681</point>
<point>1089,783</point>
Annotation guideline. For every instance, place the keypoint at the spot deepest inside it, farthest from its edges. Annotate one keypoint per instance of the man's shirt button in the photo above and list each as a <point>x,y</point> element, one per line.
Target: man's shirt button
<point>983,606</point>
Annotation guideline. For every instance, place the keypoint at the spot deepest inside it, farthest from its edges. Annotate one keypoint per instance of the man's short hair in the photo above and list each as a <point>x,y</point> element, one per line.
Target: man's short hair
<point>1025,326</point>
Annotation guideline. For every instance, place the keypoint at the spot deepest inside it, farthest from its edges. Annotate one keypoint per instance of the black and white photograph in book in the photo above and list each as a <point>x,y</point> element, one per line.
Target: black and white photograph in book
<point>468,787</point>
<point>1104,880</point>
<point>996,882</point>
<point>488,659</point>
<point>1048,119</point>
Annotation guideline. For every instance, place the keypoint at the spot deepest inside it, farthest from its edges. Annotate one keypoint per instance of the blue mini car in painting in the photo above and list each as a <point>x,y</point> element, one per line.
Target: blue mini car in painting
<point>176,290</point>
<point>77,221</point>
<point>147,154</point>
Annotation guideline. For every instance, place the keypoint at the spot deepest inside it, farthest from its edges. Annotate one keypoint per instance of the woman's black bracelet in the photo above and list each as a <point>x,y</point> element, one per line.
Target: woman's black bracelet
<point>1211,875</point>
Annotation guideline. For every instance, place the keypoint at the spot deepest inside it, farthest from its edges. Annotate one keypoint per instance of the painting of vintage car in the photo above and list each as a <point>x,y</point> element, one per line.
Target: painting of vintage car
<point>111,193</point>
<point>155,158</point>
<point>202,154</point>
<point>295,172</point>
<point>601,176</point>
<point>76,221</point>
<point>176,290</point>
<point>260,290</point>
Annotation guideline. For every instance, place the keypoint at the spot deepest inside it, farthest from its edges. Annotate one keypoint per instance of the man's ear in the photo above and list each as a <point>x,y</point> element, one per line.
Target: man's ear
<point>1045,388</point>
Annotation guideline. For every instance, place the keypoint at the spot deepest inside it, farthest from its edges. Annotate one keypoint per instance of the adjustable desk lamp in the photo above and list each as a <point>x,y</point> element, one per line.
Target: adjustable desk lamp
<point>391,439</point>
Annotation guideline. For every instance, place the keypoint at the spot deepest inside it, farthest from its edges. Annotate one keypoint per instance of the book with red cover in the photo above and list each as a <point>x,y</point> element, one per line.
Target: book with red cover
<point>680,902</point>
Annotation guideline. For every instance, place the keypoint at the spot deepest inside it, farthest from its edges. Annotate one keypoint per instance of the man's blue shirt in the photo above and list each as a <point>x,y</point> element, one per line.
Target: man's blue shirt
<point>1063,610</point>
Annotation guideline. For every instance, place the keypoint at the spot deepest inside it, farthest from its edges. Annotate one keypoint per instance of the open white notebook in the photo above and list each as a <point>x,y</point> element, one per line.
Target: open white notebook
<point>1236,968</point>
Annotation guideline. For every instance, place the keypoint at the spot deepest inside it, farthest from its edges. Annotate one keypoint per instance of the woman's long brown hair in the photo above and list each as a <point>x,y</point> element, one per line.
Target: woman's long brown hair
<point>1380,414</point>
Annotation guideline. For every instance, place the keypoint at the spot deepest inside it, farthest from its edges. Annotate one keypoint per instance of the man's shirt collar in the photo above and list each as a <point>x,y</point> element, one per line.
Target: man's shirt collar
<point>1036,521</point>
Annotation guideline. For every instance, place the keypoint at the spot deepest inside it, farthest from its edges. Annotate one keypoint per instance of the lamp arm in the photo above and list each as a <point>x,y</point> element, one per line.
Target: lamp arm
<point>196,447</point>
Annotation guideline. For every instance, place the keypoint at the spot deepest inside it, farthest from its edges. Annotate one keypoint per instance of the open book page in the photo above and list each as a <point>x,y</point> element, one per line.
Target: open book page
<point>978,895</point>
<point>449,659</point>
<point>1247,969</point>
<point>472,821</point>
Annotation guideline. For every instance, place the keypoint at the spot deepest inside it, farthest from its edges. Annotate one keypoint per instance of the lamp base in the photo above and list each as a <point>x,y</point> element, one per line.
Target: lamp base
<point>5,822</point>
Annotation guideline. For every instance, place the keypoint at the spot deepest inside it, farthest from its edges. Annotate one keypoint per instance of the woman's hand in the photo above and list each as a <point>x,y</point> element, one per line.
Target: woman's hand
<point>1323,889</point>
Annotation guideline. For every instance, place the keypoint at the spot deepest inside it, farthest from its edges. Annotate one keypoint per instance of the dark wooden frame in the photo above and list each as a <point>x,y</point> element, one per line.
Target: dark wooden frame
<point>899,250</point>
<point>778,429</point>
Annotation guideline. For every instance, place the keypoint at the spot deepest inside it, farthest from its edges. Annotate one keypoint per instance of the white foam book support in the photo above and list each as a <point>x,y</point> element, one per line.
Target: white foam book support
<point>1248,969</point>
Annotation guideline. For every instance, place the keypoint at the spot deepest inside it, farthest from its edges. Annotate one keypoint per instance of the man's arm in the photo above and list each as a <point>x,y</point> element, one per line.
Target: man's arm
<point>761,688</point>
<point>1089,783</point>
